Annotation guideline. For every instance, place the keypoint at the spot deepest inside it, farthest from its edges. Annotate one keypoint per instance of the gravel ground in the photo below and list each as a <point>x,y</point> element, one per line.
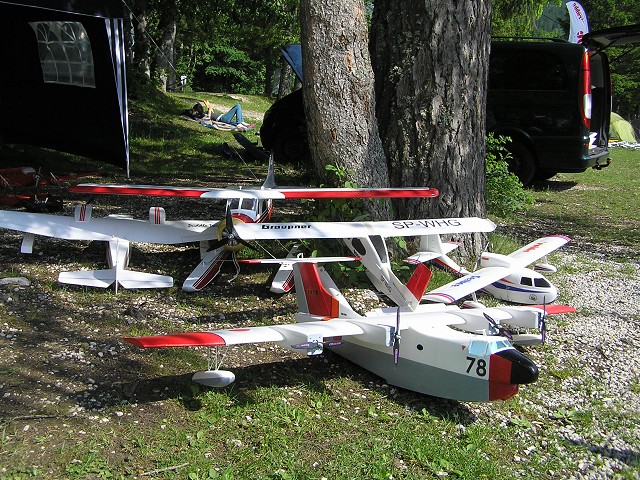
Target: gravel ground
<point>590,367</point>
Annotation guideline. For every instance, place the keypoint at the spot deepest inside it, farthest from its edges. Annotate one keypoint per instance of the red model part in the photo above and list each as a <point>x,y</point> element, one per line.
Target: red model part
<point>150,190</point>
<point>507,370</point>
<point>359,192</point>
<point>193,339</point>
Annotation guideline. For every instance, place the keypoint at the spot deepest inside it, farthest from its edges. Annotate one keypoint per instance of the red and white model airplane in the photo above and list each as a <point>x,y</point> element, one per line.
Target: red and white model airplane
<point>446,351</point>
<point>217,238</point>
<point>502,276</point>
<point>28,187</point>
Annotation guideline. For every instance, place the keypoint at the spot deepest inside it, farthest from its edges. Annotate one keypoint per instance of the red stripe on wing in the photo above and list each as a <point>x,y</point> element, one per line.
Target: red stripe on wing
<point>144,190</point>
<point>360,192</point>
<point>189,339</point>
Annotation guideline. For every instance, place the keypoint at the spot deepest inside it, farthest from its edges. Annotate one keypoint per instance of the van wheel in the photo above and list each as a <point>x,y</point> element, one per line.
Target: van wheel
<point>290,146</point>
<point>543,174</point>
<point>521,162</point>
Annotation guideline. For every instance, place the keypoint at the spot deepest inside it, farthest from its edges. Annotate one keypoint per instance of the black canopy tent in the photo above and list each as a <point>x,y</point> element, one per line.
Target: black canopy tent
<point>62,77</point>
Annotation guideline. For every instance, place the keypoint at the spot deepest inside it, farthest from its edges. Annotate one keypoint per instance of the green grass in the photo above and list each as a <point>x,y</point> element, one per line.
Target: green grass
<point>287,416</point>
<point>598,206</point>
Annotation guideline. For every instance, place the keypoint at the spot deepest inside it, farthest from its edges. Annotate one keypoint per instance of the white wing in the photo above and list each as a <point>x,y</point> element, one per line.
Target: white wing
<point>538,249</point>
<point>399,228</point>
<point>106,229</point>
<point>286,335</point>
<point>454,291</point>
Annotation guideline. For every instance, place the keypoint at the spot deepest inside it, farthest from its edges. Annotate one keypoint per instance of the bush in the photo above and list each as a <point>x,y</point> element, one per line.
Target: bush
<point>504,193</point>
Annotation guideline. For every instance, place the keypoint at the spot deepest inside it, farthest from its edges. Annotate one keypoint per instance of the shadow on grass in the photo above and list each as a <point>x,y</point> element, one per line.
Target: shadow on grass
<point>629,457</point>
<point>553,185</point>
<point>313,374</point>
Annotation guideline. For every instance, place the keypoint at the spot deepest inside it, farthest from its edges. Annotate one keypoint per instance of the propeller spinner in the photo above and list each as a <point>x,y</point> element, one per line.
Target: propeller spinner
<point>228,236</point>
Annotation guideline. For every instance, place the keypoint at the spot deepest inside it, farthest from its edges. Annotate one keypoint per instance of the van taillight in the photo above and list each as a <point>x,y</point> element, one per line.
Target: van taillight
<point>585,90</point>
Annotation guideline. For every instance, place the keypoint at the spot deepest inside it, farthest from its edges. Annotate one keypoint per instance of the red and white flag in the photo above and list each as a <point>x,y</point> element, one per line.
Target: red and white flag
<point>578,22</point>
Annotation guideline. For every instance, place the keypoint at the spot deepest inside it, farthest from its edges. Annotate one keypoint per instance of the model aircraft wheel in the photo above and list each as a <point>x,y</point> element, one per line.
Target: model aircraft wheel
<point>521,163</point>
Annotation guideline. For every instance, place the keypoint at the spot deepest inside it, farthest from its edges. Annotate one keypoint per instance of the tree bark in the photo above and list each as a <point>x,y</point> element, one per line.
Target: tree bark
<point>338,88</point>
<point>141,57</point>
<point>284,83</point>
<point>166,54</point>
<point>431,60</point>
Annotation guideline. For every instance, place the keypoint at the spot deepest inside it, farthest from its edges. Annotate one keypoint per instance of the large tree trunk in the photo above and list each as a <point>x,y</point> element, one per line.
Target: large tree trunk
<point>284,83</point>
<point>166,53</point>
<point>141,56</point>
<point>431,60</point>
<point>338,88</point>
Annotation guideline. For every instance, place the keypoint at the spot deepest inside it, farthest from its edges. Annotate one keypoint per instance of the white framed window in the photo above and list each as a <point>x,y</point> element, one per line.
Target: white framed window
<point>65,53</point>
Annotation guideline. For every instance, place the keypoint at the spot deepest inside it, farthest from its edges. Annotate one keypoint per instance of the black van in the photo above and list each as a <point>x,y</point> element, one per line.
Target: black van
<point>552,97</point>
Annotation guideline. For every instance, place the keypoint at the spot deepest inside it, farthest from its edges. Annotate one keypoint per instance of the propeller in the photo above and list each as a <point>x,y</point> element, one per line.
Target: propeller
<point>498,328</point>
<point>543,320</point>
<point>396,340</point>
<point>228,236</point>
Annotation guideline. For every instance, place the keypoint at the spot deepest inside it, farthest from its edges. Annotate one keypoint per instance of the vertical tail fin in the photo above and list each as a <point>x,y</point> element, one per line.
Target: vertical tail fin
<point>270,181</point>
<point>419,281</point>
<point>318,295</point>
<point>433,244</point>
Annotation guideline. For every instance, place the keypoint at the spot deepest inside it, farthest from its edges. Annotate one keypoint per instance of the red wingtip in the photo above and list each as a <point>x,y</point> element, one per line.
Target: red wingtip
<point>194,339</point>
<point>555,309</point>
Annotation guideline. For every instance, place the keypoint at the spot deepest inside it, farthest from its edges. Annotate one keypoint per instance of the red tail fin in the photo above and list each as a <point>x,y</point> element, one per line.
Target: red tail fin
<point>419,280</point>
<point>312,296</point>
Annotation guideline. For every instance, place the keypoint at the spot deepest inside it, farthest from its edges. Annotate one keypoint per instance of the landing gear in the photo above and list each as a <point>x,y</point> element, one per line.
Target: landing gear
<point>214,377</point>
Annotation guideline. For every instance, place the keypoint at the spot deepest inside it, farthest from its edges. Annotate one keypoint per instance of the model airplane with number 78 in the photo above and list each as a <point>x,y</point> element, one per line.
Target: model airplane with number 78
<point>446,351</point>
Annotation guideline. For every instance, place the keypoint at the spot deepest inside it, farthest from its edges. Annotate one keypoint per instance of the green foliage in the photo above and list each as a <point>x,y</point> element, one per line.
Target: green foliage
<point>227,68</point>
<point>515,18</point>
<point>504,194</point>
<point>338,210</point>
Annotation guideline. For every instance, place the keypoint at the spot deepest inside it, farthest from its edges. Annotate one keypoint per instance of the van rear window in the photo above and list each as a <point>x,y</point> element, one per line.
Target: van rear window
<point>526,70</point>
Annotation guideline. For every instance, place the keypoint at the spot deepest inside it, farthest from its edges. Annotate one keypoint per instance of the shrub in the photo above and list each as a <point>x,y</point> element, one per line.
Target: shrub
<point>504,193</point>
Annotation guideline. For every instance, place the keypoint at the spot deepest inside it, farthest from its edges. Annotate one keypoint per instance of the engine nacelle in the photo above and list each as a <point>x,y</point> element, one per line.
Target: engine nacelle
<point>545,267</point>
<point>488,259</point>
<point>157,215</point>
<point>82,212</point>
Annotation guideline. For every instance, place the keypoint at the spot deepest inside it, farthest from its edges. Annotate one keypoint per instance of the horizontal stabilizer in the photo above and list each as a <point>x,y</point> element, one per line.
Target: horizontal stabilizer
<point>104,278</point>
<point>89,278</point>
<point>130,279</point>
<point>526,339</point>
<point>554,309</point>
<point>422,257</point>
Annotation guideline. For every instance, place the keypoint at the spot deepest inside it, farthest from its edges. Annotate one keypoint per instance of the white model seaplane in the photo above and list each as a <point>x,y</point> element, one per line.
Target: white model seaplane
<point>217,238</point>
<point>447,352</point>
<point>503,276</point>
